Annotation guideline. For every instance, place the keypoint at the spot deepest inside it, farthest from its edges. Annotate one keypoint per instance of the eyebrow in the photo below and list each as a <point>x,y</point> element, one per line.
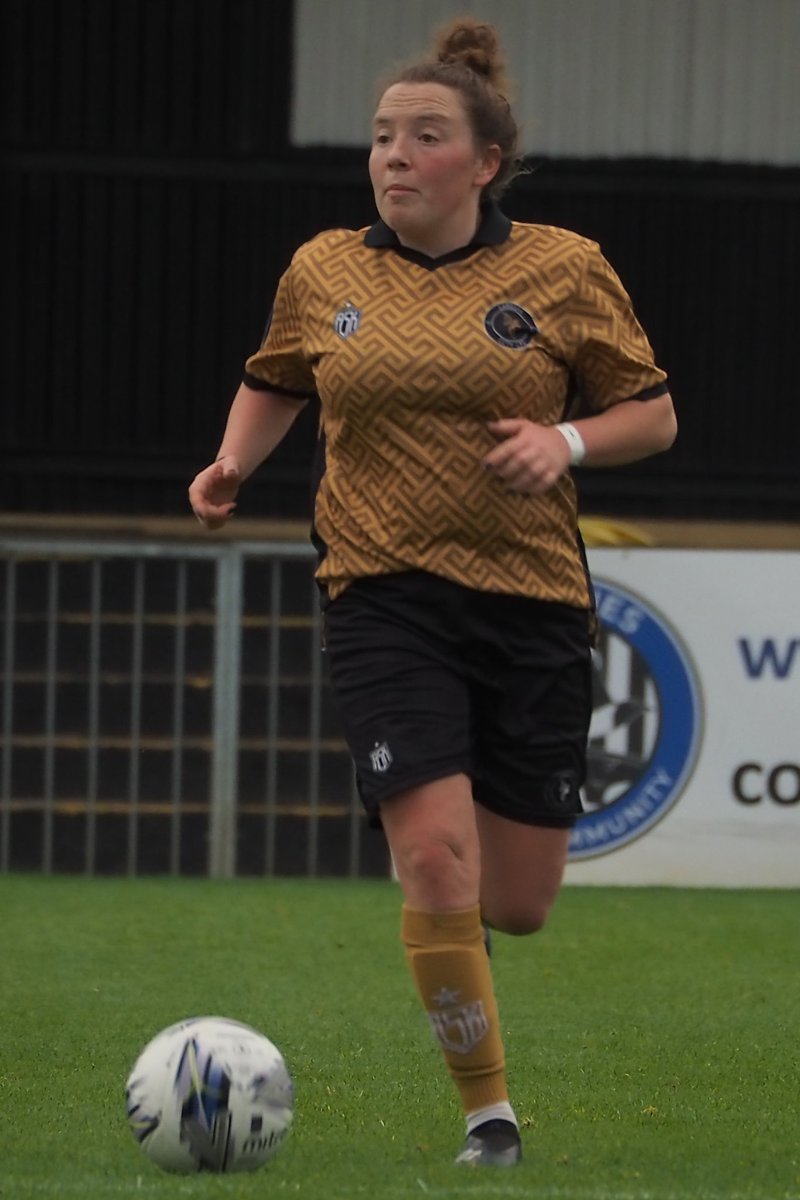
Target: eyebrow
<point>420,119</point>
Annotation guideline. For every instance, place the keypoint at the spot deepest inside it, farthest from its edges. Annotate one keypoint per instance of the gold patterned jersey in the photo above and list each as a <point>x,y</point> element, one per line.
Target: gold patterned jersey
<point>411,357</point>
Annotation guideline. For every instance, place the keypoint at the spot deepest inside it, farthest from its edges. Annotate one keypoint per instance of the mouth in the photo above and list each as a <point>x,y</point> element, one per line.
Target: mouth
<point>398,189</point>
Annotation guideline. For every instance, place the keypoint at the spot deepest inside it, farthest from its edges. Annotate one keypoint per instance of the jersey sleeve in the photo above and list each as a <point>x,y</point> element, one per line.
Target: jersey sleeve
<point>609,354</point>
<point>281,364</point>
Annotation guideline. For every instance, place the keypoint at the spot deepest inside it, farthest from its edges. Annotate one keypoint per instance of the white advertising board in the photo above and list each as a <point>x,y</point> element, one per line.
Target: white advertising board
<point>694,758</point>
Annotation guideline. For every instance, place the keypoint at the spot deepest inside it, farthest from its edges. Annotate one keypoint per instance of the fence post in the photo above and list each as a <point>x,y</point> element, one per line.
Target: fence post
<point>225,713</point>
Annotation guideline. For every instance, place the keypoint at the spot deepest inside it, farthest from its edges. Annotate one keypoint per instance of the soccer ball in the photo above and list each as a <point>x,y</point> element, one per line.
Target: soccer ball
<point>209,1094</point>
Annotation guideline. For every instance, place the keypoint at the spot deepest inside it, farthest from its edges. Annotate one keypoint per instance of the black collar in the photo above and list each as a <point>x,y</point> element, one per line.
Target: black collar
<point>493,229</point>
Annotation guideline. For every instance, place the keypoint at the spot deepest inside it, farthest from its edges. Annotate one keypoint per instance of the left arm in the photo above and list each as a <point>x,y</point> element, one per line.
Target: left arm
<point>531,458</point>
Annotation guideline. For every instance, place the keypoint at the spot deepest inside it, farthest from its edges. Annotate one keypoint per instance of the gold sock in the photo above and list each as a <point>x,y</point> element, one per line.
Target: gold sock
<point>448,960</point>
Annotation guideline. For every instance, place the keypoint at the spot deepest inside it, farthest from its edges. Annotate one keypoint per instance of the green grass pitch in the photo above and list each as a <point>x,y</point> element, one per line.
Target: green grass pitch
<point>652,1040</point>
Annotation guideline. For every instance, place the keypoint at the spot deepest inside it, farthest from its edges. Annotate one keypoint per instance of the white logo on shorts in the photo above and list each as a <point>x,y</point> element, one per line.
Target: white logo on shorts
<point>381,758</point>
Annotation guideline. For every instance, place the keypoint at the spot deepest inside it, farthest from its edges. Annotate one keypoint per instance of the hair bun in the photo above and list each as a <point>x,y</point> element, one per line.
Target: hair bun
<point>475,45</point>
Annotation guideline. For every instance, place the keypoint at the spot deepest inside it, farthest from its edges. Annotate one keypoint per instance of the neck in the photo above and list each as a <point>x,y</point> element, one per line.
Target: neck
<point>437,242</point>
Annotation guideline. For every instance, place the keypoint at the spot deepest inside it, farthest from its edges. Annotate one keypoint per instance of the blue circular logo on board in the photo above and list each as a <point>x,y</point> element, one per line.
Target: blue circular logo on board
<point>646,724</point>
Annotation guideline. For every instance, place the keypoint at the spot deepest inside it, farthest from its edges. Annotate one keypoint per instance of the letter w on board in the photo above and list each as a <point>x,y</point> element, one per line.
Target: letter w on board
<point>769,657</point>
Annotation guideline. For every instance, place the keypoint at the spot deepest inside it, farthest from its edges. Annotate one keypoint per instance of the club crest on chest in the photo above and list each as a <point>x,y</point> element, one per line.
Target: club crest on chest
<point>510,325</point>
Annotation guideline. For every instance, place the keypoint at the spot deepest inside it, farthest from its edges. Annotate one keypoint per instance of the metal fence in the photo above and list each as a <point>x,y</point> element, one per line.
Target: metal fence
<point>165,709</point>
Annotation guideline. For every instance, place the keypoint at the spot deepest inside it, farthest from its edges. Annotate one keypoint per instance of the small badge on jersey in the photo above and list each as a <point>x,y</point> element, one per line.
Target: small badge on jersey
<point>347,320</point>
<point>509,325</point>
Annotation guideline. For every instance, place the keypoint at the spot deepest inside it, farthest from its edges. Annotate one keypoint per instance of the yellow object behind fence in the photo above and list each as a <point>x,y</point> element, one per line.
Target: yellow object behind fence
<point>598,531</point>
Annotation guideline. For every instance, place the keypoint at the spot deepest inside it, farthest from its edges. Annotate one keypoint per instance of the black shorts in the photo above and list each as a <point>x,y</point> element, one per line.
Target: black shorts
<point>435,679</point>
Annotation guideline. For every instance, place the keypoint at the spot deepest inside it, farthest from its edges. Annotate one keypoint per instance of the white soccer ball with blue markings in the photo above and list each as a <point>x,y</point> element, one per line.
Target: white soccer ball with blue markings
<point>210,1094</point>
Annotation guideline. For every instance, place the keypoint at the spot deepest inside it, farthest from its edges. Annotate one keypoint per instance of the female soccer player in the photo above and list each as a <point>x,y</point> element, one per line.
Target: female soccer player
<point>463,364</point>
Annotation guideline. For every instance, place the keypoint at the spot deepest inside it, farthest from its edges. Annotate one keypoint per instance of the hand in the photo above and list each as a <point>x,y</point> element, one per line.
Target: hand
<point>530,458</point>
<point>213,491</point>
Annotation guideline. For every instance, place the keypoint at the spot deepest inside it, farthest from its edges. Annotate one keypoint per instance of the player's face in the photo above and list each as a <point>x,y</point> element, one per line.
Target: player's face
<point>426,169</point>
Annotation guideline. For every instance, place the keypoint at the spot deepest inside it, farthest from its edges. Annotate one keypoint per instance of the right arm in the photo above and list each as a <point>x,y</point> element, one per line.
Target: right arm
<point>257,422</point>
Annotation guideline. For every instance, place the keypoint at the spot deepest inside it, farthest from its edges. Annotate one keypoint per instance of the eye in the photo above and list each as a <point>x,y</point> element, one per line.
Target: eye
<point>428,138</point>
<point>381,139</point>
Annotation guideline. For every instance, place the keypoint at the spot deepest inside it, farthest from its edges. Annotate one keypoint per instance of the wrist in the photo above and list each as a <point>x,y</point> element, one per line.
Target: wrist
<point>577,446</point>
<point>230,458</point>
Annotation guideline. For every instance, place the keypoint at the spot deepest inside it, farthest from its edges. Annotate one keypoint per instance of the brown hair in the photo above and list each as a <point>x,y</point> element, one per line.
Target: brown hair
<point>467,58</point>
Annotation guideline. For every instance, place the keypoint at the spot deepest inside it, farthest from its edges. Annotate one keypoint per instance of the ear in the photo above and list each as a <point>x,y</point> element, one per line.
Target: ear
<point>488,165</point>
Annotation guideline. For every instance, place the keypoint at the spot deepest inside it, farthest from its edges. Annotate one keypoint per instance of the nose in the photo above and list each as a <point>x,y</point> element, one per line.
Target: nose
<point>398,153</point>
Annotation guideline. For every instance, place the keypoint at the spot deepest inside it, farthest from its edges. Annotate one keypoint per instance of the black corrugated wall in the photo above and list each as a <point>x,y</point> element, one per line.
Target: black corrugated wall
<point>151,200</point>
